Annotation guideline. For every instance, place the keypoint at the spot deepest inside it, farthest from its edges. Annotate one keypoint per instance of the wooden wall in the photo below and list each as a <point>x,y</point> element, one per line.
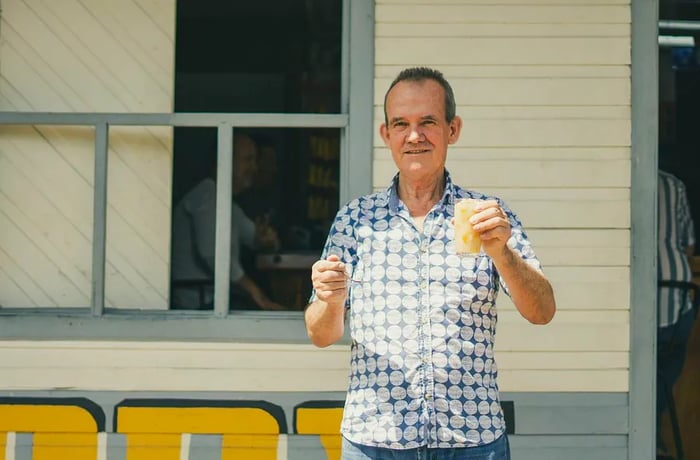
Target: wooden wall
<point>85,56</point>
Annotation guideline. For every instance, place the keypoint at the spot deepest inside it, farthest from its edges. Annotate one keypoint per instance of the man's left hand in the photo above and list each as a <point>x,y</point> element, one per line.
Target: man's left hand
<point>491,223</point>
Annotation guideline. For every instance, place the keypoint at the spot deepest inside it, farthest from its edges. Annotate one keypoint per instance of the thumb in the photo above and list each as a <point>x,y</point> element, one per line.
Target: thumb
<point>333,258</point>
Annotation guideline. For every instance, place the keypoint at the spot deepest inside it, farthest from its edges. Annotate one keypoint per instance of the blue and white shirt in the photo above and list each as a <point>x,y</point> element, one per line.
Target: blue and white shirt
<point>676,234</point>
<point>423,325</point>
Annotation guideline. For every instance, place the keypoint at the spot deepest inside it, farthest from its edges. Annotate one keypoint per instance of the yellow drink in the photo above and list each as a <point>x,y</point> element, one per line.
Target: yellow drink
<point>467,241</point>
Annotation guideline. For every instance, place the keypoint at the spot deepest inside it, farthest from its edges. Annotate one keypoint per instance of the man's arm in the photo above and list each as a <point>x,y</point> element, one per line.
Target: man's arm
<point>531,292</point>
<point>257,294</point>
<point>325,317</point>
<point>529,289</point>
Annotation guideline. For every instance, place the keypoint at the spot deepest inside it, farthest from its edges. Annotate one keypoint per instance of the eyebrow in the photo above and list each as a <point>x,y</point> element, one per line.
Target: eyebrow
<point>397,119</point>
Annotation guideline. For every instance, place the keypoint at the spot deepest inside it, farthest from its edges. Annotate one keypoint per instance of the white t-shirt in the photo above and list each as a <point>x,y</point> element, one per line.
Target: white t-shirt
<point>194,223</point>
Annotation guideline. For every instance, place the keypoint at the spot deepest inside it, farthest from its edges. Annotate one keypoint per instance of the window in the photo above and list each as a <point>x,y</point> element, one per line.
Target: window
<point>294,101</point>
<point>277,56</point>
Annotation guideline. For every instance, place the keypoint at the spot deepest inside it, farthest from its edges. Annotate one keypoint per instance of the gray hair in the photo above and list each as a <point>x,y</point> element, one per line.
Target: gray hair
<point>419,74</point>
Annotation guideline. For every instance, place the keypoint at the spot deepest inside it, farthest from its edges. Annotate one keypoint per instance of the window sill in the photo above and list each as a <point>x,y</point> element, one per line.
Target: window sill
<point>68,324</point>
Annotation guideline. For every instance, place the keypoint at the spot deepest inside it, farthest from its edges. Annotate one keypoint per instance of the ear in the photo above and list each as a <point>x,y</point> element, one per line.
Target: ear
<point>455,129</point>
<point>384,132</point>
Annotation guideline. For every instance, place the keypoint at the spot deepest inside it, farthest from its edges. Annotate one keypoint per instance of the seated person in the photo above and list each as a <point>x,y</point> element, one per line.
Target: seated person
<point>194,223</point>
<point>262,199</point>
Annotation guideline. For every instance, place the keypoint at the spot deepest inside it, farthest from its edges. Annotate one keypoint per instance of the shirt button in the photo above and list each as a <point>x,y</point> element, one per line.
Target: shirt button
<point>425,360</point>
<point>428,396</point>
<point>423,285</point>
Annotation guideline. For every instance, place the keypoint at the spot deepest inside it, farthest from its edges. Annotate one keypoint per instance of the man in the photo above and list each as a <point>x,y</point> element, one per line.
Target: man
<point>422,318</point>
<point>676,243</point>
<point>194,222</point>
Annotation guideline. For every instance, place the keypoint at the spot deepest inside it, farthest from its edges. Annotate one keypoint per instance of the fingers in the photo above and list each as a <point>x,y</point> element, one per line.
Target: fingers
<point>329,279</point>
<point>491,221</point>
<point>332,263</point>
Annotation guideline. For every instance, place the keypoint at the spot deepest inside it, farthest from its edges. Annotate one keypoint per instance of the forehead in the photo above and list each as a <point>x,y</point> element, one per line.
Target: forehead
<point>415,97</point>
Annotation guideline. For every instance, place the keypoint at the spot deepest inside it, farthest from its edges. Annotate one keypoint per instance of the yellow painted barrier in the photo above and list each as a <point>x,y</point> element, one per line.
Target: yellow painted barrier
<point>323,419</point>
<point>153,428</point>
<point>62,429</point>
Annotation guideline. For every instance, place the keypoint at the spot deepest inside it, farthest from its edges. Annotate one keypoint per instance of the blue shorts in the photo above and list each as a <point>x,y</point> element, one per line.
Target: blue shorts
<point>497,450</point>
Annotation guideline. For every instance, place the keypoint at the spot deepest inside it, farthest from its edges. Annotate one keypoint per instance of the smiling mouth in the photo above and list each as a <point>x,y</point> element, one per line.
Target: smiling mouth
<point>416,151</point>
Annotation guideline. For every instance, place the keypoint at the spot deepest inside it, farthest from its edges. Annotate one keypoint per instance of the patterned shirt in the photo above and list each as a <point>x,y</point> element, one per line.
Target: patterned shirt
<point>423,323</point>
<point>675,235</point>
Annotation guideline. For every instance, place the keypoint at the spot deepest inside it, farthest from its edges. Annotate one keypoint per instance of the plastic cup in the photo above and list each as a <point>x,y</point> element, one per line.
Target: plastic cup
<point>467,241</point>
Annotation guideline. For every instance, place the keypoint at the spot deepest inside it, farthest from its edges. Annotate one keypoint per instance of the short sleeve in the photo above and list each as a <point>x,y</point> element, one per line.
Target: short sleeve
<point>341,240</point>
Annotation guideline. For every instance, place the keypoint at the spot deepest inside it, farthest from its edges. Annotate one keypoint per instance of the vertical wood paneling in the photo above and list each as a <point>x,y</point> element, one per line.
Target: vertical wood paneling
<point>86,56</point>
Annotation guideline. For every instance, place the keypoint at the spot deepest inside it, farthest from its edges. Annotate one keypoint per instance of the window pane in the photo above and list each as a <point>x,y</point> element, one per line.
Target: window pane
<point>258,56</point>
<point>285,195</point>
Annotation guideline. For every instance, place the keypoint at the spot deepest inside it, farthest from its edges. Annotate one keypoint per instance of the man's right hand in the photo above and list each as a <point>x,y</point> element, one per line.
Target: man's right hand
<point>330,280</point>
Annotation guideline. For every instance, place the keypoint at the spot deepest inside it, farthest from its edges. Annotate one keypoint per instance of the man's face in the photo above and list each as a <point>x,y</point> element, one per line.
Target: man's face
<point>245,163</point>
<point>417,132</point>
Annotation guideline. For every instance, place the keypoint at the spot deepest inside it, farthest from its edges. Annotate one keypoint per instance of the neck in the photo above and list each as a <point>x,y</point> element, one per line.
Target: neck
<point>420,196</point>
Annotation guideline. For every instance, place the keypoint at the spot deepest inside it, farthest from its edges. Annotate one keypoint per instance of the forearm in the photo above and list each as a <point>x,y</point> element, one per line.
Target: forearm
<point>325,323</point>
<point>251,288</point>
<point>529,289</point>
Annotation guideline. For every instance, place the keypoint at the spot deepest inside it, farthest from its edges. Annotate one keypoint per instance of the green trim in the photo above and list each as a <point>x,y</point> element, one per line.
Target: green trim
<point>247,120</point>
<point>356,163</point>
<point>99,225</point>
<point>222,261</point>
<point>238,326</point>
<point>642,374</point>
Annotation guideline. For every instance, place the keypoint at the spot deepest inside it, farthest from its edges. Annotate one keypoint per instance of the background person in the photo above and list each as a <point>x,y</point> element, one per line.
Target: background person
<point>676,244</point>
<point>422,318</point>
<point>194,223</point>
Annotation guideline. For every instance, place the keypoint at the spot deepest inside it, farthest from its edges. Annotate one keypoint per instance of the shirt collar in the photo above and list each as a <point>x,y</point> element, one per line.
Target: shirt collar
<point>448,196</point>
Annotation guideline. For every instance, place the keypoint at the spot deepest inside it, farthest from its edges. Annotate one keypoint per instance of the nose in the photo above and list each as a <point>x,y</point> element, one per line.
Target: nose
<point>414,135</point>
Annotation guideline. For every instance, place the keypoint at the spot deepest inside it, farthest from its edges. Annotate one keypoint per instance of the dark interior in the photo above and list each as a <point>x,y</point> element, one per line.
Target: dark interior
<point>267,56</point>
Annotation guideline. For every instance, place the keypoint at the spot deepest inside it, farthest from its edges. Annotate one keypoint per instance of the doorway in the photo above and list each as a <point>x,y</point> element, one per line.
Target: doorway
<point>679,155</point>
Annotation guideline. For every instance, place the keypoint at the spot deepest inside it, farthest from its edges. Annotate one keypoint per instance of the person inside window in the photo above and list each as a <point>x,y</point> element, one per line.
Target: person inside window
<point>675,314</point>
<point>194,223</point>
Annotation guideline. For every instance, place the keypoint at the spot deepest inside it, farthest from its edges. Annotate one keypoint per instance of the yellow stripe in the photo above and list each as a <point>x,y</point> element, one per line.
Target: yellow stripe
<point>45,418</point>
<point>64,446</point>
<point>196,420</point>
<point>60,432</point>
<point>153,447</point>
<point>248,433</point>
<point>324,422</point>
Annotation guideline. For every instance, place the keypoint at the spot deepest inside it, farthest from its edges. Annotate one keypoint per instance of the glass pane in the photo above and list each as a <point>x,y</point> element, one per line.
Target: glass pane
<point>279,56</point>
<point>46,190</point>
<point>285,195</point>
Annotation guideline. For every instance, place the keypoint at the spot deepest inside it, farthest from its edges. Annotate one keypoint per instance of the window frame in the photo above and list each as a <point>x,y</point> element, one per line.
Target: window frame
<point>96,322</point>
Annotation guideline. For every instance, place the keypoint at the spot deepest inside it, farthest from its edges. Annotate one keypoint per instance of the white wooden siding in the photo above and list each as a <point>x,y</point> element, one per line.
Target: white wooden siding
<point>85,56</point>
<point>544,91</point>
<point>126,366</point>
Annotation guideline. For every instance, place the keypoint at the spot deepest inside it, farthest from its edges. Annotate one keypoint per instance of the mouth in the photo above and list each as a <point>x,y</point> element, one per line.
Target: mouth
<point>416,151</point>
